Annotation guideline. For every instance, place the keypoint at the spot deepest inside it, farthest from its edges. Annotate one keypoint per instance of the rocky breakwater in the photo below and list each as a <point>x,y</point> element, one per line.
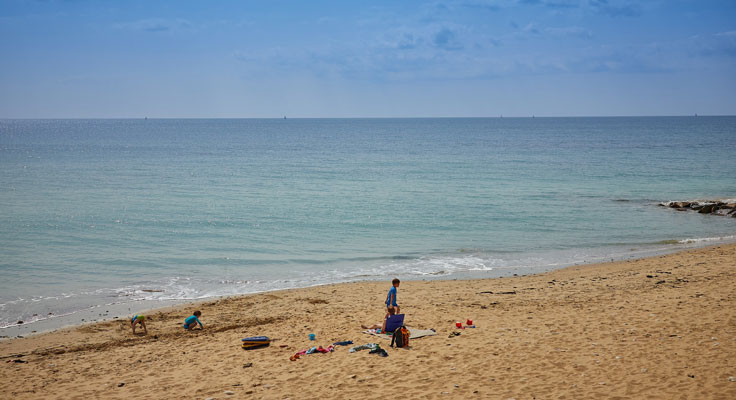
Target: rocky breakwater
<point>715,207</point>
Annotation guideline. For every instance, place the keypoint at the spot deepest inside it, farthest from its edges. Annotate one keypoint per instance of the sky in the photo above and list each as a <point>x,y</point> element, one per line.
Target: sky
<point>452,58</point>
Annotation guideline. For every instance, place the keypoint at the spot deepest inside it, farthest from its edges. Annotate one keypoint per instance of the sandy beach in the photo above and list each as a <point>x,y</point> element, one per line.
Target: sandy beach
<point>661,327</point>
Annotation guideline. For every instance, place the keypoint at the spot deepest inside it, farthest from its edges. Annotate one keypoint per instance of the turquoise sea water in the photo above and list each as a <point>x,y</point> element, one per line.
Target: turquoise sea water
<point>115,211</point>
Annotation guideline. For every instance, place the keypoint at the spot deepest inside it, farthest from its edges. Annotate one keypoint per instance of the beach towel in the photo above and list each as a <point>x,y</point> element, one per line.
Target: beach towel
<point>413,333</point>
<point>394,321</point>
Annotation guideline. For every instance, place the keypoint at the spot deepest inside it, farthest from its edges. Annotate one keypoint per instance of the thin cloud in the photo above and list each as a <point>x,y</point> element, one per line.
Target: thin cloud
<point>442,37</point>
<point>612,8</point>
<point>715,45</point>
<point>446,39</point>
<point>615,9</point>
<point>485,5</point>
<point>616,62</point>
<point>155,25</point>
<point>555,3</point>
<point>496,5</point>
<point>532,30</point>
<point>407,41</point>
<point>569,31</point>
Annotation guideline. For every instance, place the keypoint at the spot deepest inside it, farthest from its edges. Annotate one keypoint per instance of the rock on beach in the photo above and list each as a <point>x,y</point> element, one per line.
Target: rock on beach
<point>715,207</point>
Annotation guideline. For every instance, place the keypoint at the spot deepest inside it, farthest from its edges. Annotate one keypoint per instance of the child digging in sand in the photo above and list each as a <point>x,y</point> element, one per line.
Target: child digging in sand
<point>192,321</point>
<point>139,319</point>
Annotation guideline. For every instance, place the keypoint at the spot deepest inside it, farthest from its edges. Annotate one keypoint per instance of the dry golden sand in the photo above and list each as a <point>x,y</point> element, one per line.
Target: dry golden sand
<point>661,327</point>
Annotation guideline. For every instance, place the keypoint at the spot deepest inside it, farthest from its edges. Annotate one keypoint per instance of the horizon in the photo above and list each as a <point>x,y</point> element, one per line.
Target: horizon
<point>328,59</point>
<point>408,117</point>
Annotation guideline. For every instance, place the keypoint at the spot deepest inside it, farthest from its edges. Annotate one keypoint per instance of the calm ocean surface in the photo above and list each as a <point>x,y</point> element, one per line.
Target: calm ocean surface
<point>116,211</point>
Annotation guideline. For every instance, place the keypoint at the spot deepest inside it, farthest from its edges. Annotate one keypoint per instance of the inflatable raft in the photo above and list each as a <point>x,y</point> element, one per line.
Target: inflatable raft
<point>256,342</point>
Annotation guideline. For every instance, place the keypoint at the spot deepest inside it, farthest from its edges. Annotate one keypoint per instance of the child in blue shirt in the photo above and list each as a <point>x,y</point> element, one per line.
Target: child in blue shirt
<point>391,298</point>
<point>139,320</point>
<point>192,321</point>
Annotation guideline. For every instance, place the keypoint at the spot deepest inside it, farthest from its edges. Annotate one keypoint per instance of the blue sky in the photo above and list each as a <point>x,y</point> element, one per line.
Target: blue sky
<point>77,58</point>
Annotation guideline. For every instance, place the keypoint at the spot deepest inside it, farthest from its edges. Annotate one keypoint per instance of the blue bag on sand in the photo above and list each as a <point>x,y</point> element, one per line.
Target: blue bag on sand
<point>394,321</point>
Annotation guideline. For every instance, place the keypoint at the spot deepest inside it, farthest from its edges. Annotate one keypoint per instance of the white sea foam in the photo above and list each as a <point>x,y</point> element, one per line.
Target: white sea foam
<point>708,239</point>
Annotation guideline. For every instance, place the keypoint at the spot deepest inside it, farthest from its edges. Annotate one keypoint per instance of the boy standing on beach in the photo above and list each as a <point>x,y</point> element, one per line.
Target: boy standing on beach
<point>391,298</point>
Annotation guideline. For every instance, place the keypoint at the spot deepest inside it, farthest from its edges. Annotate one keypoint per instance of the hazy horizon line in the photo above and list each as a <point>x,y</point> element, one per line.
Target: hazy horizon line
<point>380,117</point>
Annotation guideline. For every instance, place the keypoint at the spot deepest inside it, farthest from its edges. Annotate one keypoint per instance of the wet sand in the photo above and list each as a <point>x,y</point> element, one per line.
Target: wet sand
<point>660,327</point>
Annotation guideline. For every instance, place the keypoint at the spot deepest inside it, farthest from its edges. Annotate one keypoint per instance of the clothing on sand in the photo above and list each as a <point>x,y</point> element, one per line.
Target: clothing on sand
<point>413,333</point>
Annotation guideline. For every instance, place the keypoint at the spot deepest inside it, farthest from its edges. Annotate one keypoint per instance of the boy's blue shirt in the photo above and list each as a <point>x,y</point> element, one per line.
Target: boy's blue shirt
<point>390,298</point>
<point>191,319</point>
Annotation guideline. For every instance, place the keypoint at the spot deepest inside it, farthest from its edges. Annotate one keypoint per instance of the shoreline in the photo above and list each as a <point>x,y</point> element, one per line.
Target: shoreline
<point>95,313</point>
<point>116,311</point>
<point>657,327</point>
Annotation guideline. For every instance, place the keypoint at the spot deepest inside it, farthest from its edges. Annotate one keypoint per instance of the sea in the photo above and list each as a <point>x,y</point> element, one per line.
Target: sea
<point>134,213</point>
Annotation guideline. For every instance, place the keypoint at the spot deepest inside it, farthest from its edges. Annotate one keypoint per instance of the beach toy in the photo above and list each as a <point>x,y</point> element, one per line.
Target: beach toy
<point>458,324</point>
<point>312,336</point>
<point>378,330</point>
<point>469,322</point>
<point>255,342</point>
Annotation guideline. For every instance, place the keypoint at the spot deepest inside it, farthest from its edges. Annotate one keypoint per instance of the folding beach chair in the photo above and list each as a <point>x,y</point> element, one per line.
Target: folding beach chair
<point>394,321</point>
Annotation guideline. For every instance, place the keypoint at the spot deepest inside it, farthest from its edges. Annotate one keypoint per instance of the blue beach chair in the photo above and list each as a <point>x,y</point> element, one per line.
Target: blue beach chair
<point>394,321</point>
